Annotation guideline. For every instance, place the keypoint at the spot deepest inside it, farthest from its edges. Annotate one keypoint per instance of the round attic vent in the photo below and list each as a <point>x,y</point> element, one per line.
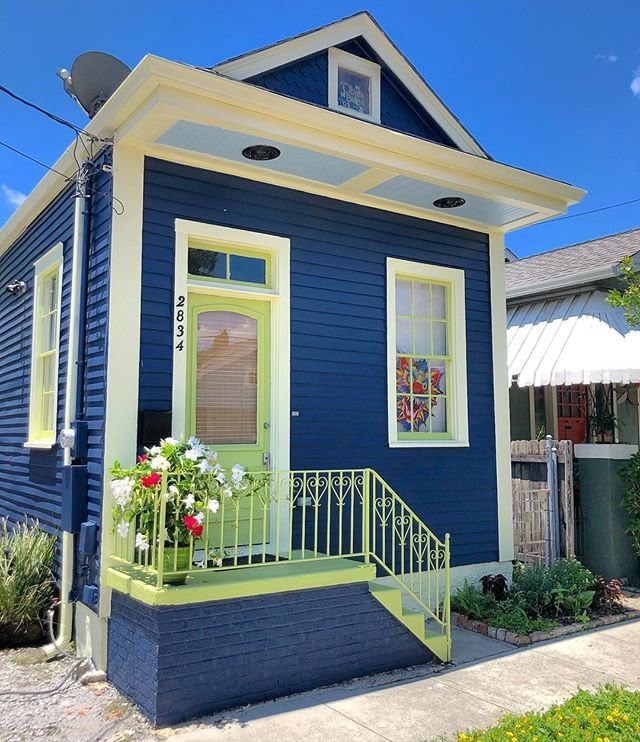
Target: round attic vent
<point>449,202</point>
<point>261,152</point>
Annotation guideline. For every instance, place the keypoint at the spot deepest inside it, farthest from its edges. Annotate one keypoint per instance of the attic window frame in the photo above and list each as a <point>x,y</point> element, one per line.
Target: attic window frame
<point>341,59</point>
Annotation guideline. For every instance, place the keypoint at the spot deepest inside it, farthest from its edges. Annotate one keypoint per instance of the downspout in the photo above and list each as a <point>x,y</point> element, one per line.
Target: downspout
<point>74,389</point>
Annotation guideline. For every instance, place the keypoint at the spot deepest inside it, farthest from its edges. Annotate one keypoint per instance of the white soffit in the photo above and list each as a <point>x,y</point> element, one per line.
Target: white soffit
<point>304,163</point>
<point>577,339</point>
<point>418,193</point>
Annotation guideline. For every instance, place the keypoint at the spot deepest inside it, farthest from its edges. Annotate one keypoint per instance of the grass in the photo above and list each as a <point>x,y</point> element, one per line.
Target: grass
<point>609,714</point>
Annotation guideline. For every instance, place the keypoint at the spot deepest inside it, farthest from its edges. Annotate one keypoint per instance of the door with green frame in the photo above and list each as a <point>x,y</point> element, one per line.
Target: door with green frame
<point>228,399</point>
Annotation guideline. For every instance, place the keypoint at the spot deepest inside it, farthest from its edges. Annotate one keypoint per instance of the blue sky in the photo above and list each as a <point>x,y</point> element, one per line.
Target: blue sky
<point>544,85</point>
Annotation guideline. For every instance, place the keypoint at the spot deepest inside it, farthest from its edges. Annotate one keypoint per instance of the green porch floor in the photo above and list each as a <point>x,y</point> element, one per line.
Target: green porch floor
<point>201,587</point>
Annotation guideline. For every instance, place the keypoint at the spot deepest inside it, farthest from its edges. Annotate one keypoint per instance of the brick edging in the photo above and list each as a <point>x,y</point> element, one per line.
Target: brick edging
<point>522,640</point>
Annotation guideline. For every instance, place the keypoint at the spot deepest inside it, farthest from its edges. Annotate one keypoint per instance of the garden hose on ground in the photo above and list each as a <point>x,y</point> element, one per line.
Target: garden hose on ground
<point>72,669</point>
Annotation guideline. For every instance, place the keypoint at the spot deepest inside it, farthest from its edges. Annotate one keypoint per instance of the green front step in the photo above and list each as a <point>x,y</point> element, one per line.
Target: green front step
<point>140,583</point>
<point>391,598</point>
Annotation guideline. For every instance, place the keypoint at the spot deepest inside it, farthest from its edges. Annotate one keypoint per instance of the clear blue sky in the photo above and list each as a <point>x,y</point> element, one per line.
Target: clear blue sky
<point>542,84</point>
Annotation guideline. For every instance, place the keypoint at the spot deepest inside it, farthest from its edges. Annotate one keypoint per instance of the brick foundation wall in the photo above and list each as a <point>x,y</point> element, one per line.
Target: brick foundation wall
<point>179,662</point>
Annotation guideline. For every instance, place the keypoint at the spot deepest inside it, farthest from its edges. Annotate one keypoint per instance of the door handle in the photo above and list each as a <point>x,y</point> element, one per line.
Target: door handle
<point>266,459</point>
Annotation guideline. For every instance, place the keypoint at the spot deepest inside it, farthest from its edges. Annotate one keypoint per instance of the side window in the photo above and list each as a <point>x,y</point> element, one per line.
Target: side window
<point>45,348</point>
<point>427,368</point>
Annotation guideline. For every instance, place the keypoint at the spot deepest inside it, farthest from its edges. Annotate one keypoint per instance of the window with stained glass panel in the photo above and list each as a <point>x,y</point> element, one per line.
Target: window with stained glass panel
<point>423,360</point>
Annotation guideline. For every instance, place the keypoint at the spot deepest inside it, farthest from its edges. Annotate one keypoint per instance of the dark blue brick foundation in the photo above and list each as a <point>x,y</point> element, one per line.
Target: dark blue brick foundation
<point>179,662</point>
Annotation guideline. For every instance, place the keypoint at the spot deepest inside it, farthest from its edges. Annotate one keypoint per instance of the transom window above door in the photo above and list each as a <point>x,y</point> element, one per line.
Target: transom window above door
<point>219,264</point>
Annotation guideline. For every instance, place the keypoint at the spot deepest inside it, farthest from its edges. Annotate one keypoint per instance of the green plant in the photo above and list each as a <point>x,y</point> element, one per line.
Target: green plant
<point>26,588</point>
<point>630,475</point>
<point>611,713</point>
<point>628,297</point>
<point>608,595</point>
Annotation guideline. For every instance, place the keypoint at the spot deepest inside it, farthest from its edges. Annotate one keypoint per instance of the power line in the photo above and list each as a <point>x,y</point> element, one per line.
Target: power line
<point>33,159</point>
<point>52,116</point>
<point>74,178</point>
<point>593,211</point>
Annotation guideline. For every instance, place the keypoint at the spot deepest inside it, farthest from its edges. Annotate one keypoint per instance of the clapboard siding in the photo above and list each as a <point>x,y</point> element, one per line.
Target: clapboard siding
<point>30,479</point>
<point>307,79</point>
<point>338,336</point>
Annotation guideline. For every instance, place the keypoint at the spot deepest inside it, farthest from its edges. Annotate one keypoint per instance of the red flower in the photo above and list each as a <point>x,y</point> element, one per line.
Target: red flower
<point>150,480</point>
<point>193,526</point>
<point>143,458</point>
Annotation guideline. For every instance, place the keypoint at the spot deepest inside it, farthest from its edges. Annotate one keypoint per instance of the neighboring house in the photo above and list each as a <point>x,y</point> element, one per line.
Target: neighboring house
<point>305,267</point>
<point>574,366</point>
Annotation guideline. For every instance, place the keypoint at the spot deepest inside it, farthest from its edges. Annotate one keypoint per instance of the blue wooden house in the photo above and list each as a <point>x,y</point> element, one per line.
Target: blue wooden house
<point>298,257</point>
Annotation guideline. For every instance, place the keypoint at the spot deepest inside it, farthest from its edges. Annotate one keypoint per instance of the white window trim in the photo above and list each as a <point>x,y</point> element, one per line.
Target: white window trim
<point>457,329</point>
<point>339,58</point>
<point>50,260</point>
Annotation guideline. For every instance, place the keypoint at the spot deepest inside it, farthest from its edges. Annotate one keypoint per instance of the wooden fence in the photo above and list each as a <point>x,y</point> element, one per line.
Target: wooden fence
<point>530,461</point>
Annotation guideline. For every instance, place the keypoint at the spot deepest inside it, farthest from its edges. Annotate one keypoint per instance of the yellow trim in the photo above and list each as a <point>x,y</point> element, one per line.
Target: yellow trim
<point>278,250</point>
<point>360,24</point>
<point>49,265</point>
<point>123,343</point>
<point>457,382</point>
<point>159,92</point>
<point>501,395</point>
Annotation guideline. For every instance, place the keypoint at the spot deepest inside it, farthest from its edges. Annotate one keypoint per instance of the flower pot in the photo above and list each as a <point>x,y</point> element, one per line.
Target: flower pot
<point>170,563</point>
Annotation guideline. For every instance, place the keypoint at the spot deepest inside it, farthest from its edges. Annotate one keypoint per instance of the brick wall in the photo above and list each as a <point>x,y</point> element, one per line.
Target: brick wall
<point>178,662</point>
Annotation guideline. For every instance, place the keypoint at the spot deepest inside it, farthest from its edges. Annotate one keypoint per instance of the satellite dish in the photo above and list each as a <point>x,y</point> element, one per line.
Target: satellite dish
<point>95,76</point>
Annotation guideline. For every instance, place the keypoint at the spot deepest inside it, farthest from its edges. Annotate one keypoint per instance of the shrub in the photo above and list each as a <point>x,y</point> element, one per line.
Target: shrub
<point>630,475</point>
<point>26,588</point>
<point>469,601</point>
<point>608,595</point>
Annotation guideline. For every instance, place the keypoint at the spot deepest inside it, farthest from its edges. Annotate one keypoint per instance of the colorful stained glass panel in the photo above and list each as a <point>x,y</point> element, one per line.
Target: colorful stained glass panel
<point>438,415</point>
<point>438,381</point>
<point>420,376</point>
<point>403,380</point>
<point>420,414</point>
<point>403,413</point>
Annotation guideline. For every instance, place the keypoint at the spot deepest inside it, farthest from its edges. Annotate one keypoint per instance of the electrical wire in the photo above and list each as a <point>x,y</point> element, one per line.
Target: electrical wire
<point>593,211</point>
<point>70,179</point>
<point>52,116</point>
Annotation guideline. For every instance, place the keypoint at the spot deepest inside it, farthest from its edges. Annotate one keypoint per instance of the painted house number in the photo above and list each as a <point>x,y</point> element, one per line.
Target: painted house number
<point>180,322</point>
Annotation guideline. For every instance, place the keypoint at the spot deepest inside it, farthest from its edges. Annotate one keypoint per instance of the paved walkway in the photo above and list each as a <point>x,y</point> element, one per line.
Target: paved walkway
<point>488,679</point>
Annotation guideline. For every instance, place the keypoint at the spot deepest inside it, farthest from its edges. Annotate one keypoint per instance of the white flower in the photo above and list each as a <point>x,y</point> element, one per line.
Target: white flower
<point>226,491</point>
<point>237,474</point>
<point>213,505</point>
<point>123,529</point>
<point>196,446</point>
<point>154,450</point>
<point>205,466</point>
<point>141,542</point>
<point>173,489</point>
<point>121,490</point>
<point>212,458</point>
<point>159,462</point>
<point>189,500</point>
<point>169,441</point>
<point>191,454</point>
<point>220,477</point>
<point>199,517</point>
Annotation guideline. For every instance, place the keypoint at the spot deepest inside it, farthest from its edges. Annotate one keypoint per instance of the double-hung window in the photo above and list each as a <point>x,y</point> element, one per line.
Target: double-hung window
<point>426,355</point>
<point>45,347</point>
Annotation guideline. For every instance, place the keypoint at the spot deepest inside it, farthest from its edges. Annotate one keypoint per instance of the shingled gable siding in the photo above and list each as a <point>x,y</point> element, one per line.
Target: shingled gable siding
<point>30,479</point>
<point>307,79</point>
<point>338,336</point>
<point>185,661</point>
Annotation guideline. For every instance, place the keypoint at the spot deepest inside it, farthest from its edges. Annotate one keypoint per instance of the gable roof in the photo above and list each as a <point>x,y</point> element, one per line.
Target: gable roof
<point>361,24</point>
<point>572,265</point>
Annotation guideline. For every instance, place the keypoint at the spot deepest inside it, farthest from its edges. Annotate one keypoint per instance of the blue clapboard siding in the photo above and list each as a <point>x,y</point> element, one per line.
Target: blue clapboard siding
<point>338,336</point>
<point>307,79</point>
<point>30,479</point>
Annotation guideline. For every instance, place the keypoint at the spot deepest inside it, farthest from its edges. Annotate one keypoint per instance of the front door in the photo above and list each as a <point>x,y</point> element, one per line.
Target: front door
<point>228,394</point>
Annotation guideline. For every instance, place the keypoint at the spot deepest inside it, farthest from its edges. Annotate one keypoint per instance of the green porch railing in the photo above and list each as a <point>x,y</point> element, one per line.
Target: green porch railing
<point>297,516</point>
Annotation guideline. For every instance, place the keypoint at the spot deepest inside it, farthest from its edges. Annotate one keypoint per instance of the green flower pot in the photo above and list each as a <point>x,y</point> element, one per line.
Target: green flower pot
<point>183,562</point>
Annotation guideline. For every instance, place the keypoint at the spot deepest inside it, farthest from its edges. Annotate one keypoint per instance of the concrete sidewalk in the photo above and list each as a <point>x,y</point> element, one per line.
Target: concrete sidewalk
<point>488,679</point>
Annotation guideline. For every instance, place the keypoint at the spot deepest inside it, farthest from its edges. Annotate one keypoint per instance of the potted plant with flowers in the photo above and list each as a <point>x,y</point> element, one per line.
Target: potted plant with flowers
<point>169,497</point>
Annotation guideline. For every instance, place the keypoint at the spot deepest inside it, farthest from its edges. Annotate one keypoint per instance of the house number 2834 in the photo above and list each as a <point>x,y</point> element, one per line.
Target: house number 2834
<point>180,322</point>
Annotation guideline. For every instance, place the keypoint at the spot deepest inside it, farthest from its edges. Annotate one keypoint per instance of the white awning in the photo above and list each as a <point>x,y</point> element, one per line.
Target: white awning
<point>577,339</point>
